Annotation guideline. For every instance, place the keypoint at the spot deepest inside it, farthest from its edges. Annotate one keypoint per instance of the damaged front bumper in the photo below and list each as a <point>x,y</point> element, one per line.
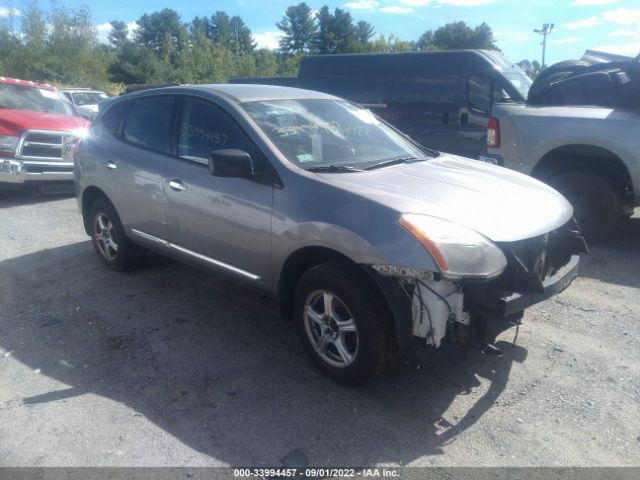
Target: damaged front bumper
<point>503,303</point>
<point>427,306</point>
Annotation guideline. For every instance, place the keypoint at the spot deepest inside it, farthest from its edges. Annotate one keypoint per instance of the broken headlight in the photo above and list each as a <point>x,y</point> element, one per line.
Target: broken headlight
<point>457,251</point>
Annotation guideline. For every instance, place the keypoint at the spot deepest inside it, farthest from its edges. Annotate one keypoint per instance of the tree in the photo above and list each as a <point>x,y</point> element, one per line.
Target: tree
<point>119,34</point>
<point>336,32</point>
<point>457,35</point>
<point>200,24</point>
<point>266,63</point>
<point>160,30</point>
<point>242,42</point>
<point>391,44</point>
<point>299,29</point>
<point>532,69</point>
<point>365,32</point>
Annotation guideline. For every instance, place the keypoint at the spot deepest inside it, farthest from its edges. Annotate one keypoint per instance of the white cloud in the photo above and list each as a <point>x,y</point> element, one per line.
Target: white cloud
<point>9,12</point>
<point>587,3</point>
<point>630,49</point>
<point>104,29</point>
<point>629,32</point>
<point>396,9</point>
<point>465,3</point>
<point>623,16</point>
<point>584,23</point>
<point>567,40</point>
<point>268,40</point>
<point>415,3</point>
<point>362,4</point>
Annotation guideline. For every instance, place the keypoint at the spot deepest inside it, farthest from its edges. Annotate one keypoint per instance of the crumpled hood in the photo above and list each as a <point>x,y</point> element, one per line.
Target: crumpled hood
<point>17,121</point>
<point>501,204</point>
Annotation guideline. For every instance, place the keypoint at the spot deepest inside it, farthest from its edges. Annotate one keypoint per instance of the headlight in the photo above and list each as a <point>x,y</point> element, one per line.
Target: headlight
<point>458,251</point>
<point>8,145</point>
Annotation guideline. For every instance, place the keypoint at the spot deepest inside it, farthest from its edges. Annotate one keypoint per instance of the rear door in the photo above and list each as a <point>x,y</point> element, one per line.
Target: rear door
<point>133,167</point>
<point>222,222</point>
<point>473,115</point>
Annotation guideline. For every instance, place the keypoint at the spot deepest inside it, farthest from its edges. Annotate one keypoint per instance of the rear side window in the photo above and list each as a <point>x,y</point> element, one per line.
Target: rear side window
<point>148,123</point>
<point>112,118</point>
<point>479,93</point>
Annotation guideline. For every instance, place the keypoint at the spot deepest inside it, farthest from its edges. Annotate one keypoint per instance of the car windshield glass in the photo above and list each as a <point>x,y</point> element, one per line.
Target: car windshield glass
<point>88,98</point>
<point>519,80</point>
<point>318,133</point>
<point>21,97</point>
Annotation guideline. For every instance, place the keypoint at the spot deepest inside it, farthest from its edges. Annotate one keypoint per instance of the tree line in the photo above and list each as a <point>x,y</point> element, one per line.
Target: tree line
<point>61,45</point>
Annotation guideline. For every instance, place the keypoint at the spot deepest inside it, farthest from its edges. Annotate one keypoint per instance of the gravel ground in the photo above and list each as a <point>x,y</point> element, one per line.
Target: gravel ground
<point>169,366</point>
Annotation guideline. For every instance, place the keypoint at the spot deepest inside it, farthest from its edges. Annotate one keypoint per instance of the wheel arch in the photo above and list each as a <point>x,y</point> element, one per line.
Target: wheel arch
<point>592,158</point>
<point>89,196</point>
<point>301,260</point>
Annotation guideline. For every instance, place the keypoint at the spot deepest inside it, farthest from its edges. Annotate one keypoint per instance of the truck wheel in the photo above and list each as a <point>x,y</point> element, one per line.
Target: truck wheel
<point>344,324</point>
<point>109,240</point>
<point>597,205</point>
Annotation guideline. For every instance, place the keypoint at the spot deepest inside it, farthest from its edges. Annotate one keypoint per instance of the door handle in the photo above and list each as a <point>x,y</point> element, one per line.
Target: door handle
<point>110,164</point>
<point>177,185</point>
<point>464,118</point>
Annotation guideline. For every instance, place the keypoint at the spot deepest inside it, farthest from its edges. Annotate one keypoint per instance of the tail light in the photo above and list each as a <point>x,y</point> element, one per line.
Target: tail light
<point>493,133</point>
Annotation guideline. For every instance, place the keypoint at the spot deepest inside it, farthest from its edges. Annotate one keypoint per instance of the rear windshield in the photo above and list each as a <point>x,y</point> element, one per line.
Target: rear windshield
<point>88,98</point>
<point>519,80</point>
<point>21,97</point>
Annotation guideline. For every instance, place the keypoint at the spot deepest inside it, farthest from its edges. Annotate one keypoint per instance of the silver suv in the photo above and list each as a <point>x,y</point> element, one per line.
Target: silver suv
<point>367,239</point>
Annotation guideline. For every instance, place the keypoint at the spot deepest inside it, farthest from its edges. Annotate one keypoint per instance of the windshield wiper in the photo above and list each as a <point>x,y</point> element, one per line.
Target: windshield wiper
<point>393,161</point>
<point>333,169</point>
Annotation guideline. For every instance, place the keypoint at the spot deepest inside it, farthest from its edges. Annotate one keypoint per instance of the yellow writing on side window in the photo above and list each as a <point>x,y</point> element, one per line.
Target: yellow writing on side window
<point>193,131</point>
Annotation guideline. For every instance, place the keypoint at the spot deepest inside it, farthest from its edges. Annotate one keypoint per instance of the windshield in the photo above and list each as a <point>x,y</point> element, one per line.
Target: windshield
<point>519,80</point>
<point>321,133</point>
<point>88,98</point>
<point>21,97</point>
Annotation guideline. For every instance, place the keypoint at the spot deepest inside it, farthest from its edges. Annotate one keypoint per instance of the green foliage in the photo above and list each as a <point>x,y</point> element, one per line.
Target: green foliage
<point>299,28</point>
<point>532,69</point>
<point>61,46</point>
<point>457,35</point>
<point>336,32</point>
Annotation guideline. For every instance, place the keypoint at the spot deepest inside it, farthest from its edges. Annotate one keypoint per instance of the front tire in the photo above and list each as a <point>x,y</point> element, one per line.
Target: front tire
<point>109,239</point>
<point>344,323</point>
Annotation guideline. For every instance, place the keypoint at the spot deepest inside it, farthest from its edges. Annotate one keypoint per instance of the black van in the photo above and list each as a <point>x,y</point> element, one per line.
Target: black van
<point>441,99</point>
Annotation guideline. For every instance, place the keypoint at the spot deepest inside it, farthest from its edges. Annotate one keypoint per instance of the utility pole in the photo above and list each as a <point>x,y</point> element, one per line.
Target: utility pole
<point>546,29</point>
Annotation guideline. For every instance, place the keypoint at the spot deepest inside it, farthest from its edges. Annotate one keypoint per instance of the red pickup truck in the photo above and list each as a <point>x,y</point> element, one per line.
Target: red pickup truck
<point>36,122</point>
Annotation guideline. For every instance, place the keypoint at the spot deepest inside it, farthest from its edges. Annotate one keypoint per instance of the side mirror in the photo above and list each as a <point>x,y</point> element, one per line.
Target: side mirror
<point>230,163</point>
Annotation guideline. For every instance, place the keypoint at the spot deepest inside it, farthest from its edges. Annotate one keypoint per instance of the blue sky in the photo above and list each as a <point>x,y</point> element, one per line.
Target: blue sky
<point>611,25</point>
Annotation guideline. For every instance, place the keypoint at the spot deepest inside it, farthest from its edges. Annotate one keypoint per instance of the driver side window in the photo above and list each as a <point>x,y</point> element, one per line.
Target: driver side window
<point>204,128</point>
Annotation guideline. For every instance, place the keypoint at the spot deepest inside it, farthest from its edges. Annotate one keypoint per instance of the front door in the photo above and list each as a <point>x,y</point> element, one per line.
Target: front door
<point>221,221</point>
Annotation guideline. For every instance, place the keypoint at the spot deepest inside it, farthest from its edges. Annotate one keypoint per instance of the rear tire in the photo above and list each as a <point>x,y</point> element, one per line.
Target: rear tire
<point>109,239</point>
<point>597,204</point>
<point>344,323</point>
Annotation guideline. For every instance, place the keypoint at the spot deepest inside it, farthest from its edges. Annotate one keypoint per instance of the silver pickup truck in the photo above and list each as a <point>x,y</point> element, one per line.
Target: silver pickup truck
<point>590,154</point>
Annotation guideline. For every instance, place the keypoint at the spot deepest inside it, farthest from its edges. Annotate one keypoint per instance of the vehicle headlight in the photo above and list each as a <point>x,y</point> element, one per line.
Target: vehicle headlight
<point>458,251</point>
<point>8,145</point>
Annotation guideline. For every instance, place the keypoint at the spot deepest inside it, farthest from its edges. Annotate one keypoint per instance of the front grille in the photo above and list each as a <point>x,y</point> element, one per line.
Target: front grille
<point>43,146</point>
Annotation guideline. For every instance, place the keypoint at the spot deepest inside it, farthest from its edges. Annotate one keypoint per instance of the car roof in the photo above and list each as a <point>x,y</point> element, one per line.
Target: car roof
<point>26,83</point>
<point>242,93</point>
<point>80,90</point>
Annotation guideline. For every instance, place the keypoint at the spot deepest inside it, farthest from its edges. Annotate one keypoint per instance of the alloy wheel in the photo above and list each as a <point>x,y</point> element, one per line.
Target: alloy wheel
<point>105,236</point>
<point>331,328</point>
